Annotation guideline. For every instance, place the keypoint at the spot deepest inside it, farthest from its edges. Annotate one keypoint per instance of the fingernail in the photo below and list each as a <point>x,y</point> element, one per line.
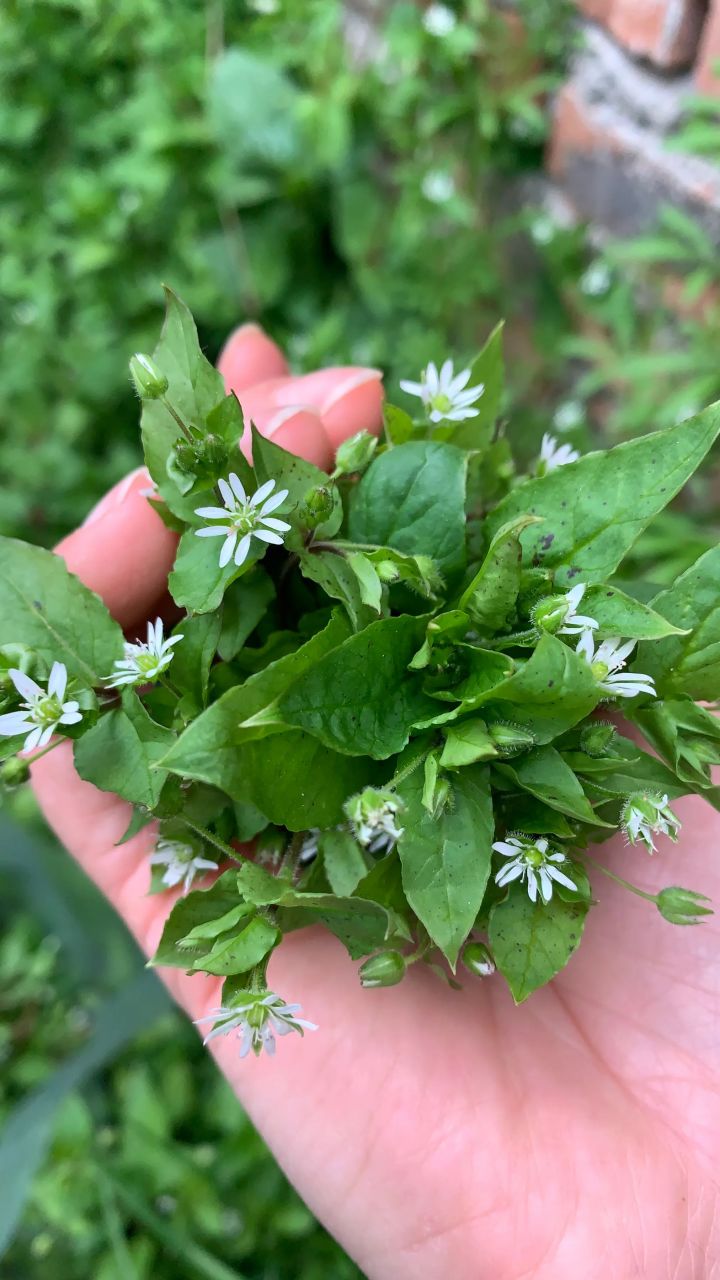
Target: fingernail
<point>300,431</point>
<point>349,384</point>
<point>116,495</point>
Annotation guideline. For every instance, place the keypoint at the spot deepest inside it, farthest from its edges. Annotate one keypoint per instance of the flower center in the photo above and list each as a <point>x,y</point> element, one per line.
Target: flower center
<point>441,403</point>
<point>47,710</point>
<point>146,663</point>
<point>244,519</point>
<point>534,858</point>
<point>600,670</point>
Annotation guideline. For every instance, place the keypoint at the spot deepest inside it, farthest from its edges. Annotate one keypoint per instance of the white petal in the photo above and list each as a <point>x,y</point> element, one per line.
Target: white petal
<point>242,550</point>
<point>575,595</point>
<point>459,415</point>
<point>237,487</point>
<point>281,525</point>
<point>432,381</point>
<point>273,503</point>
<point>464,398</point>
<point>262,493</point>
<point>561,878</point>
<point>586,646</point>
<point>227,549</point>
<point>457,383</point>
<point>446,374</point>
<point>70,717</point>
<point>507,847</point>
<point>412,388</point>
<point>58,680</point>
<point>34,739</point>
<point>212,513</point>
<point>228,496</point>
<point>513,871</point>
<point>219,531</point>
<point>13,723</point>
<point>545,885</point>
<point>25,686</point>
<point>532,887</point>
<point>266,535</point>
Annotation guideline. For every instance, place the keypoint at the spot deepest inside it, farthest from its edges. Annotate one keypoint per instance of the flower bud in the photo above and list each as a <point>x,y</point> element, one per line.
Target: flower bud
<point>511,738</point>
<point>149,382</point>
<point>14,772</point>
<point>478,960</point>
<point>316,507</point>
<point>184,457</point>
<point>385,969</point>
<point>682,906</point>
<point>597,738</point>
<point>387,570</point>
<point>354,454</point>
<point>550,613</point>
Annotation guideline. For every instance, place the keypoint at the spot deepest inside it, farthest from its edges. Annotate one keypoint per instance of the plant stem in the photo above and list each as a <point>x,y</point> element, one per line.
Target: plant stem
<point>225,849</point>
<point>51,747</point>
<point>182,425</point>
<point>649,897</point>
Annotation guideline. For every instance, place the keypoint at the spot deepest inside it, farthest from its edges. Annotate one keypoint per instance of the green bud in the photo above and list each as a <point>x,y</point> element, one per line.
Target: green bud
<point>682,906</point>
<point>14,772</point>
<point>149,382</point>
<point>317,506</point>
<point>511,738</point>
<point>478,960</point>
<point>550,613</point>
<point>597,739</point>
<point>387,570</point>
<point>385,969</point>
<point>354,454</point>
<point>184,457</point>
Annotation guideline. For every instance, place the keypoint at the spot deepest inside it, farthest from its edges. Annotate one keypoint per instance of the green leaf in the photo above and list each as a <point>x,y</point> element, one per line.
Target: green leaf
<point>491,595</point>
<point>413,499</point>
<point>488,368</point>
<point>593,510</point>
<point>398,424</point>
<point>193,656</point>
<point>121,752</point>
<point>344,861</point>
<point>684,734</point>
<point>340,581</point>
<point>194,389</point>
<point>466,743</point>
<point>245,603</point>
<point>297,476</point>
<point>689,663</point>
<point>49,610</point>
<point>241,952</point>
<point>192,918</point>
<point>621,615</point>
<point>446,859</point>
<point>531,942</point>
<point>545,774</point>
<point>550,693</point>
<point>368,580</point>
<point>196,582</point>
<point>361,699</point>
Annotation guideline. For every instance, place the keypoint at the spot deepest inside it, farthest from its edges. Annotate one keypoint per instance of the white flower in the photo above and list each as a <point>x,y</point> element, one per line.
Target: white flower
<point>446,394</point>
<point>607,662</point>
<point>568,415</point>
<point>559,614</point>
<point>438,187</point>
<point>43,710</point>
<point>372,816</point>
<point>144,661</point>
<point>543,229</point>
<point>243,518</point>
<point>258,1019</point>
<point>438,20</point>
<point>554,455</point>
<point>532,861</point>
<point>645,815</point>
<point>596,280</point>
<point>309,848</point>
<point>182,862</point>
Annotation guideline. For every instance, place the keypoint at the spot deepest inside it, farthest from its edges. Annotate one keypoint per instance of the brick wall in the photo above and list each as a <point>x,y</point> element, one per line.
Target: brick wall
<point>628,86</point>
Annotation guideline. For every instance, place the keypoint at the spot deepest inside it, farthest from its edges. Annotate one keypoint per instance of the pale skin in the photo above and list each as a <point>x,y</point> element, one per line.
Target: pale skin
<point>436,1134</point>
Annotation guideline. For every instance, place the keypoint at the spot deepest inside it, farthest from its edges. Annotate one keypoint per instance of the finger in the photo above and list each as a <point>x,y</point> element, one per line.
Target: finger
<point>293,427</point>
<point>123,551</point>
<point>347,399</point>
<point>250,356</point>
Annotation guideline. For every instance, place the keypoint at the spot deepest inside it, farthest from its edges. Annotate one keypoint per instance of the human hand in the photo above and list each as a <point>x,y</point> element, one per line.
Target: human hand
<point>439,1133</point>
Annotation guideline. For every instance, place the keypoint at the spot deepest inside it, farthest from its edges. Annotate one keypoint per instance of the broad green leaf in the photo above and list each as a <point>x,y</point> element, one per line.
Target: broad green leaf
<point>289,472</point>
<point>242,951</point>
<point>196,582</point>
<point>344,861</point>
<point>452,625</point>
<point>121,753</point>
<point>689,663</point>
<point>466,743</point>
<point>49,610</point>
<point>368,580</point>
<point>361,699</point>
<point>398,424</point>
<point>550,693</point>
<point>491,596</point>
<point>594,509</point>
<point>621,615</point>
<point>531,942</point>
<point>193,916</point>
<point>487,368</point>
<point>545,774</point>
<point>446,859</point>
<point>193,656</point>
<point>244,605</point>
<point>686,736</point>
<point>340,581</point>
<point>413,499</point>
<point>483,672</point>
<point>195,388</point>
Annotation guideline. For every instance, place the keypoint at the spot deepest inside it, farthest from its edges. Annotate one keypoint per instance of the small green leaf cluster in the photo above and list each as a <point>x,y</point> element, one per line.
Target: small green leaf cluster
<point>394,690</point>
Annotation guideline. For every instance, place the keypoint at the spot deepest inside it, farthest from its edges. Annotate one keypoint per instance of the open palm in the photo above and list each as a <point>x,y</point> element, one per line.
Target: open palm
<point>440,1134</point>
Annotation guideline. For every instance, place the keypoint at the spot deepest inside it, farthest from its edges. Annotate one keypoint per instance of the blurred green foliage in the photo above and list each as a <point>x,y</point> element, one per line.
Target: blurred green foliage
<point>371,194</point>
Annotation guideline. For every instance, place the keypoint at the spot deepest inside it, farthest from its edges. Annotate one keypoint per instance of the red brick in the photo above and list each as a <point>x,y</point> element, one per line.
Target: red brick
<point>664,31</point>
<point>706,79</point>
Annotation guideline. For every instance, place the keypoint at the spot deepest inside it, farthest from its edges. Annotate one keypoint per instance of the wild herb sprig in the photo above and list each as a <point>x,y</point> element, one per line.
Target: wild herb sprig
<point>388,679</point>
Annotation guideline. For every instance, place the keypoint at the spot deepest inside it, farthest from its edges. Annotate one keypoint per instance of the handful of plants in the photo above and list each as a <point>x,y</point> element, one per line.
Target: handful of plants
<point>388,705</point>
